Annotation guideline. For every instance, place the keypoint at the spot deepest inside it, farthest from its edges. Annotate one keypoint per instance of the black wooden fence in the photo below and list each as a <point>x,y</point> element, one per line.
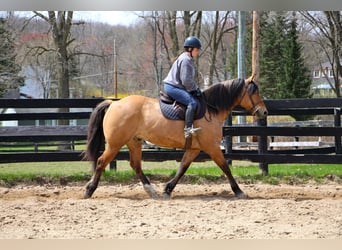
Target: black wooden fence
<point>15,140</point>
<point>265,155</point>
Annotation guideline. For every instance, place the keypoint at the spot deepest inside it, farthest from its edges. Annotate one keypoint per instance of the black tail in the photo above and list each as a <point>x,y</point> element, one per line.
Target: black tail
<point>96,140</point>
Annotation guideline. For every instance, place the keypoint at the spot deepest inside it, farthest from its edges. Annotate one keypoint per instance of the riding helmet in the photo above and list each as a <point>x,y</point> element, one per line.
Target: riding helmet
<point>193,42</point>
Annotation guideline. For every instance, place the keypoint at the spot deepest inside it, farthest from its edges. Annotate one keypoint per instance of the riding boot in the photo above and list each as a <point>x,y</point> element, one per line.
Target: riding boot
<point>189,118</point>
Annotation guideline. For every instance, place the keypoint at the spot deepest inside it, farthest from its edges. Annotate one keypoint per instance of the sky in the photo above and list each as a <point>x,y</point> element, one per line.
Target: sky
<point>110,17</point>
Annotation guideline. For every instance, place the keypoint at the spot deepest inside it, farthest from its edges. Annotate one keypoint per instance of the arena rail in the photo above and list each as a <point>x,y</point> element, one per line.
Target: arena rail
<point>39,142</point>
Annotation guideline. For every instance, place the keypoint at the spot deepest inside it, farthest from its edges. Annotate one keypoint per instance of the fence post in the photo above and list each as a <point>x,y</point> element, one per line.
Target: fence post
<point>337,123</point>
<point>112,165</point>
<point>228,142</point>
<point>296,138</point>
<point>262,147</point>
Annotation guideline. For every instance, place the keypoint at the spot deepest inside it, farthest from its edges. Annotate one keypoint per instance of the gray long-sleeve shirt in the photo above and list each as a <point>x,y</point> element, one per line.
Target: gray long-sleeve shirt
<point>182,73</point>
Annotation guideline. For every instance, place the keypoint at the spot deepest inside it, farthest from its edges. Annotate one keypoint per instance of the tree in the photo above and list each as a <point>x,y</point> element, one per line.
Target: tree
<point>273,37</point>
<point>60,24</point>
<point>327,26</point>
<point>168,29</point>
<point>9,69</point>
<point>283,73</point>
<point>297,77</point>
<point>216,31</point>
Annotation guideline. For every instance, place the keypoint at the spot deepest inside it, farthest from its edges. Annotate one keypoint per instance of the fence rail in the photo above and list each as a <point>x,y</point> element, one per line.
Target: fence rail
<point>45,109</point>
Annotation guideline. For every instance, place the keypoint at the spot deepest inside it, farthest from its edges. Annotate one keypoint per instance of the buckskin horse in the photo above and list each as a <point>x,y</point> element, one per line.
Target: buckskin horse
<point>135,118</point>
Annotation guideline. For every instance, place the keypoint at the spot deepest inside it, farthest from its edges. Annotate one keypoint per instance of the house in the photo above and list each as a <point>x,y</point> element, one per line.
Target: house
<point>323,80</point>
<point>35,89</point>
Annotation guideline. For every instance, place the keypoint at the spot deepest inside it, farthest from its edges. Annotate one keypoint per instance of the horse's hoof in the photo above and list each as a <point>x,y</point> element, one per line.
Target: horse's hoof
<point>154,196</point>
<point>242,195</point>
<point>89,190</point>
<point>166,196</point>
<point>150,190</point>
<point>87,195</point>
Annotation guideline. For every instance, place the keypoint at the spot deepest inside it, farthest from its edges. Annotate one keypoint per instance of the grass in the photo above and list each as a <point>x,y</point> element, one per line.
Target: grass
<point>65,172</point>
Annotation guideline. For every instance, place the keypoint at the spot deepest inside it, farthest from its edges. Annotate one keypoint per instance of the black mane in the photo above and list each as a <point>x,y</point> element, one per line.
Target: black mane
<point>221,96</point>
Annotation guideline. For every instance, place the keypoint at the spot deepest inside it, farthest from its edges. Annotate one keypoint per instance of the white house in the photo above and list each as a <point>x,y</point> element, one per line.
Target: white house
<point>33,88</point>
<point>322,78</point>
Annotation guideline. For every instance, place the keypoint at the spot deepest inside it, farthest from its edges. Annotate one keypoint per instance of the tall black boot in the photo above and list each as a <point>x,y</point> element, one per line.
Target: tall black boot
<point>189,118</point>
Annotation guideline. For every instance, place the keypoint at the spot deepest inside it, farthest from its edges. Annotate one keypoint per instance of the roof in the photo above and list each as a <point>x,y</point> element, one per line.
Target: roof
<point>324,65</point>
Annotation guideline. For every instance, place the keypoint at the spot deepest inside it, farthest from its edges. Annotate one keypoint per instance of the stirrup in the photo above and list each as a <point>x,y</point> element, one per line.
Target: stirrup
<point>188,132</point>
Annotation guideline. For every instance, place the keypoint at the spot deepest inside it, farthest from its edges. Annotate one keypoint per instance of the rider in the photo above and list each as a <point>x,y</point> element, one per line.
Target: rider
<point>180,82</point>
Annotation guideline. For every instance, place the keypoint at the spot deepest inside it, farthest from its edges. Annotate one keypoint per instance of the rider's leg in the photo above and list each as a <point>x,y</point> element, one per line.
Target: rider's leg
<point>184,97</point>
<point>189,119</point>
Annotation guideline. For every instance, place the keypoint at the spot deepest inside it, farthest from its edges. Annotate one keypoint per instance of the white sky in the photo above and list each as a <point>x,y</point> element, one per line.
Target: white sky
<point>110,17</point>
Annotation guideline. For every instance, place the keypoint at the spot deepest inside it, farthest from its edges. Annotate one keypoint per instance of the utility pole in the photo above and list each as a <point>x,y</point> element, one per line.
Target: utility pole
<point>256,46</point>
<point>241,59</point>
<point>115,73</point>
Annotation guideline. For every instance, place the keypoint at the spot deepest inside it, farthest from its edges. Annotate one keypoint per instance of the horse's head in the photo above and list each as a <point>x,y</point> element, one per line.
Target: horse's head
<point>251,100</point>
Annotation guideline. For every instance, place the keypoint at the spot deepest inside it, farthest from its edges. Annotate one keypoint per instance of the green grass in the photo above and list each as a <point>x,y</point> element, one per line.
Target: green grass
<point>65,172</point>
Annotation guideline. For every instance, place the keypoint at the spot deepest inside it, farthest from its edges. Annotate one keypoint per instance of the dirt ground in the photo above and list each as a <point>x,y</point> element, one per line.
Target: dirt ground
<point>207,211</point>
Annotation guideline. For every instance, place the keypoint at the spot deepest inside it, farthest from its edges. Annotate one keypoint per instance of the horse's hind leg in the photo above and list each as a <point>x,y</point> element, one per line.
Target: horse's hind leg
<point>100,166</point>
<point>135,152</point>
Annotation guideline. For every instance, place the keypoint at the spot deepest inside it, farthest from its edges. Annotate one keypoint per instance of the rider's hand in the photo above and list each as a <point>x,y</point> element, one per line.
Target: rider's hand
<point>198,92</point>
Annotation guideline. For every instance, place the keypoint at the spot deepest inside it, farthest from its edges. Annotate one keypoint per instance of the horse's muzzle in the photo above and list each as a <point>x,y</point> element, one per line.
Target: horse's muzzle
<point>261,112</point>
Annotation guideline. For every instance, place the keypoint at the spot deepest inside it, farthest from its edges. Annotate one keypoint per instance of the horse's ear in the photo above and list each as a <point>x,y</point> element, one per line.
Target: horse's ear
<point>251,78</point>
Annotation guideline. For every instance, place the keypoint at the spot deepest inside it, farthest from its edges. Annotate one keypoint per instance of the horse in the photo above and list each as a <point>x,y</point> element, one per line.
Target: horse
<point>136,118</point>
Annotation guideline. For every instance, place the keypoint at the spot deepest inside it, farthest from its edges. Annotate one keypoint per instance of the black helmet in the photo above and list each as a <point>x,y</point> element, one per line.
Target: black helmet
<point>193,42</point>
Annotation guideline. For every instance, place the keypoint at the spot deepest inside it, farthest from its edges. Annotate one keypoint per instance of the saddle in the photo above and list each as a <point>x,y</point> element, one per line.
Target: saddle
<point>173,110</point>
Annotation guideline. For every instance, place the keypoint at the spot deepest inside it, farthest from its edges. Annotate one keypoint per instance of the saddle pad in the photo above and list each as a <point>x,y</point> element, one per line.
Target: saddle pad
<point>176,111</point>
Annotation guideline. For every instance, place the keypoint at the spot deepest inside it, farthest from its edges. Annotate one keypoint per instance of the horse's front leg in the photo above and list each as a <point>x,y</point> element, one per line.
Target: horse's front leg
<point>188,157</point>
<point>218,157</point>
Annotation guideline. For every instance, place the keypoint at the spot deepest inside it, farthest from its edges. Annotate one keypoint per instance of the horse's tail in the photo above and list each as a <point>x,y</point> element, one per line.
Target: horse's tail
<point>96,140</point>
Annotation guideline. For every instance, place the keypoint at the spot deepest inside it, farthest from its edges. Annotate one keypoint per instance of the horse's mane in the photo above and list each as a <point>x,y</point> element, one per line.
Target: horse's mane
<point>221,96</point>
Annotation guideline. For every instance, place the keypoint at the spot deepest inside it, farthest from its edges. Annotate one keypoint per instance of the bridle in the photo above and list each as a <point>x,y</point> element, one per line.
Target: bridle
<point>254,107</point>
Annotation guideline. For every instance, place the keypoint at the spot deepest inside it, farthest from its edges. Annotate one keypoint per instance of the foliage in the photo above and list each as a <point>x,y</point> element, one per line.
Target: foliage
<point>9,69</point>
<point>145,50</point>
<point>283,72</point>
<point>297,80</point>
<point>326,40</point>
<point>272,50</point>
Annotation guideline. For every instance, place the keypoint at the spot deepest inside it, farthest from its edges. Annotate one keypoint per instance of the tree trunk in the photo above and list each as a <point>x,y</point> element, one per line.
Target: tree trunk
<point>172,21</point>
<point>61,26</point>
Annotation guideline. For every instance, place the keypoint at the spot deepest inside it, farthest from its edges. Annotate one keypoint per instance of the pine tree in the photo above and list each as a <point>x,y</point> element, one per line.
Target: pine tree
<point>273,42</point>
<point>283,73</point>
<point>9,69</point>
<point>297,76</point>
